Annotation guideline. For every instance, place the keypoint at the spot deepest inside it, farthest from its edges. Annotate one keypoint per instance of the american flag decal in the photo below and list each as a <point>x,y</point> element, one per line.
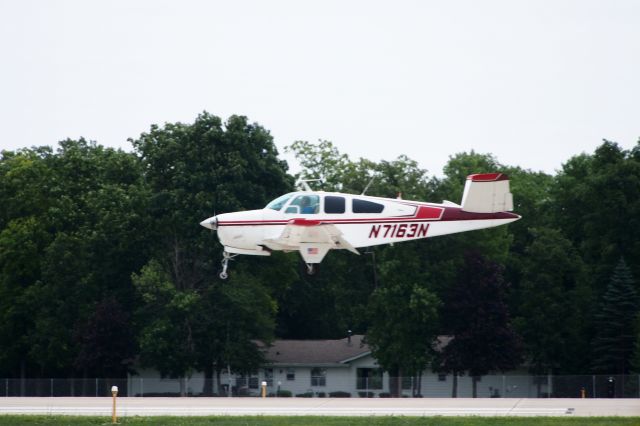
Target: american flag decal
<point>312,250</point>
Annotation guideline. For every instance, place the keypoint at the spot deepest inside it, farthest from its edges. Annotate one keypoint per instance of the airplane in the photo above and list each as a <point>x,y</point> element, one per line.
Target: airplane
<point>314,222</point>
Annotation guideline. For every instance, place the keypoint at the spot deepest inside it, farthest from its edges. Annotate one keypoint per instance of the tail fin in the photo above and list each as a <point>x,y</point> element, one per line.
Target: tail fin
<point>487,193</point>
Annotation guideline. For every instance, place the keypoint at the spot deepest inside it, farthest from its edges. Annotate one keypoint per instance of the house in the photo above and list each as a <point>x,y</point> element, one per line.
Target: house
<point>342,367</point>
<point>322,366</point>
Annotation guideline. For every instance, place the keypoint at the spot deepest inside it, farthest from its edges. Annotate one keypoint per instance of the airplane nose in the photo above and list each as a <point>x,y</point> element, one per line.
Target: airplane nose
<point>211,223</point>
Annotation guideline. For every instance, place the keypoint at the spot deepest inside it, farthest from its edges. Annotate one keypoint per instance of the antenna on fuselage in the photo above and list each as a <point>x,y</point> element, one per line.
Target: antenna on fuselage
<point>368,185</point>
<point>302,183</point>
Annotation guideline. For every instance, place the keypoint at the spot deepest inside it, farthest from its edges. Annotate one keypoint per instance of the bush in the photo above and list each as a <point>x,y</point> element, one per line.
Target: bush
<point>321,394</point>
<point>366,394</point>
<point>283,393</point>
<point>384,395</point>
<point>304,395</point>
<point>339,394</point>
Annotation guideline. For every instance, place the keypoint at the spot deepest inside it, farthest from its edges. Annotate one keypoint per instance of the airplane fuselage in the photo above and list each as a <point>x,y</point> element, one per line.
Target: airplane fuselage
<point>255,231</point>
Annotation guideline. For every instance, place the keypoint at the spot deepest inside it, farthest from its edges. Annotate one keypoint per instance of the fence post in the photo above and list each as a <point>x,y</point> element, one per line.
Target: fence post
<point>593,381</point>
<point>504,386</point>
<point>96,386</point>
<point>142,387</point>
<point>6,386</point>
<point>51,388</point>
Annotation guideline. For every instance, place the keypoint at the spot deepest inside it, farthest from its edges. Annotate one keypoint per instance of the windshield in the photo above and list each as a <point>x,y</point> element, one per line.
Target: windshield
<point>279,202</point>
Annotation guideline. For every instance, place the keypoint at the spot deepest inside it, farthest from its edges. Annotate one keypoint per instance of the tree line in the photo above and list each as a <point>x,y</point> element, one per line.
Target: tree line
<point>104,267</point>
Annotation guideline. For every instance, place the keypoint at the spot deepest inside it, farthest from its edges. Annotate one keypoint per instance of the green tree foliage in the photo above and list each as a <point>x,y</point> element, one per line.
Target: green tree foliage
<point>616,320</point>
<point>476,316</point>
<point>553,310</point>
<point>596,202</point>
<point>635,359</point>
<point>104,340</point>
<point>78,206</point>
<point>192,171</point>
<point>403,317</point>
<point>98,246</point>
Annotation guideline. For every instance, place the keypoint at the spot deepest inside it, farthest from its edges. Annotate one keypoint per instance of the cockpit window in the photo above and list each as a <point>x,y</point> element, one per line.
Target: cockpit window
<point>279,202</point>
<point>304,204</point>
<point>363,206</point>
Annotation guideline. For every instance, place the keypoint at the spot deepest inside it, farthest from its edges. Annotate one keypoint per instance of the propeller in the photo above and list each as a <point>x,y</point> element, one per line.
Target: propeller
<point>210,223</point>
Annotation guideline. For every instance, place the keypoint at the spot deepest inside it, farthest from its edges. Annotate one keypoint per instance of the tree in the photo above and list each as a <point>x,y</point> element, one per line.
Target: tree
<point>23,237</point>
<point>78,206</point>
<point>595,201</point>
<point>192,171</point>
<point>403,319</point>
<point>476,316</point>
<point>616,320</point>
<point>554,301</point>
<point>106,342</point>
<point>168,318</point>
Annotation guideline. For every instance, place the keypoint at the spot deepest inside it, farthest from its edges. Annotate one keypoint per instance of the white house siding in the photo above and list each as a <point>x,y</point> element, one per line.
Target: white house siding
<point>337,378</point>
<point>514,385</point>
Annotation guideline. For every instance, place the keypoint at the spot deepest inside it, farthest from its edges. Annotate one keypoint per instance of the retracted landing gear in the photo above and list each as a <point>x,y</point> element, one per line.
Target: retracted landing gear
<point>226,257</point>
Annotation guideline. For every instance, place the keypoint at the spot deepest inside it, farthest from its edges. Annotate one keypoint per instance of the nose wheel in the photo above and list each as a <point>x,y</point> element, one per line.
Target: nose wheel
<point>310,269</point>
<point>226,257</point>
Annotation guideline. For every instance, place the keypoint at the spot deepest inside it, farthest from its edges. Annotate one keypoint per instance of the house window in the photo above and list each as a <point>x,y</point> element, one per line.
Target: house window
<point>369,378</point>
<point>268,376</point>
<point>318,377</point>
<point>363,206</point>
<point>291,373</point>
<point>442,377</point>
<point>334,204</point>
<point>247,381</point>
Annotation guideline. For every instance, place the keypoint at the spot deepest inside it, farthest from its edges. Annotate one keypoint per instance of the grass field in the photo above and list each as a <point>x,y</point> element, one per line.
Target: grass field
<point>18,420</point>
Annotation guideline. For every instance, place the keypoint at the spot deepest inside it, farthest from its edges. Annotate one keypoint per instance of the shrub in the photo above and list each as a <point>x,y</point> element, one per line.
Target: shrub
<point>283,393</point>
<point>305,395</point>
<point>366,394</point>
<point>384,395</point>
<point>339,394</point>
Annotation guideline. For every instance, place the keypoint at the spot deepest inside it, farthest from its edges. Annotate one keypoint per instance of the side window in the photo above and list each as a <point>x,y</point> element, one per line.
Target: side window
<point>363,206</point>
<point>318,376</point>
<point>304,204</point>
<point>334,204</point>
<point>291,373</point>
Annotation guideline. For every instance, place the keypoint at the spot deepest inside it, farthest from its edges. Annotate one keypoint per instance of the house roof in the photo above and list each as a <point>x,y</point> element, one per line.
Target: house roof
<point>317,352</point>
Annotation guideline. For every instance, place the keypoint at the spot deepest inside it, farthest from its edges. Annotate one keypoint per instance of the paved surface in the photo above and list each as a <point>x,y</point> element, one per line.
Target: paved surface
<point>323,406</point>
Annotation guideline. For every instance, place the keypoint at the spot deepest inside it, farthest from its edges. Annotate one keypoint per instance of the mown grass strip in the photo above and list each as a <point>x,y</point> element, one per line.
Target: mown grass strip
<point>18,420</point>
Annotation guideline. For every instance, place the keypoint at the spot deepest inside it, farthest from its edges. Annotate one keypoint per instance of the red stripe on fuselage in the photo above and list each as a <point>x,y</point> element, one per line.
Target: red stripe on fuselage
<point>426,212</point>
<point>447,214</point>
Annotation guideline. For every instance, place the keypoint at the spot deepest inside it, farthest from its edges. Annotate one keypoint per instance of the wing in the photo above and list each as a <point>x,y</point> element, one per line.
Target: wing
<point>312,238</point>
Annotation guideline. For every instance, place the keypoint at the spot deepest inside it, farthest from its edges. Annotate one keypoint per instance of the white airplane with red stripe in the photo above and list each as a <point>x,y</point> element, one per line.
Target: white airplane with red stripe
<point>314,222</point>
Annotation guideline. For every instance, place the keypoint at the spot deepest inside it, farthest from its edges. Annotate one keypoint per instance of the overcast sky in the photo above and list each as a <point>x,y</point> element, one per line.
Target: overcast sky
<point>533,82</point>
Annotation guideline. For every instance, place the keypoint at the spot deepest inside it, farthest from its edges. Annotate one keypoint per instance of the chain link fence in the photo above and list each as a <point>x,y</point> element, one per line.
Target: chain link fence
<point>428,386</point>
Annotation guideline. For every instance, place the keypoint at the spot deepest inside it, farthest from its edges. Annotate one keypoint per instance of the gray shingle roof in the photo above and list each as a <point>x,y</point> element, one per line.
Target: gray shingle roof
<point>316,352</point>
